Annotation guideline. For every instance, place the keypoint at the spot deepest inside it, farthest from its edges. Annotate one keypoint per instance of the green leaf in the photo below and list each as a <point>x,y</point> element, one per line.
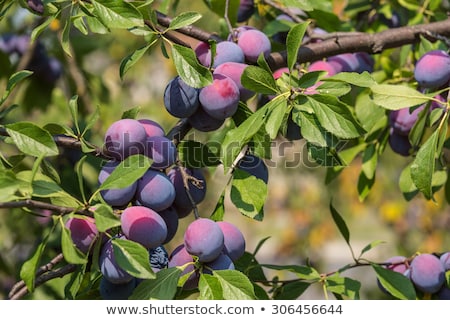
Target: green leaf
<point>163,287</point>
<point>364,79</point>
<point>293,42</point>
<point>195,154</point>
<point>219,210</point>
<point>31,139</point>
<point>65,37</point>
<point>184,19</point>
<point>218,7</point>
<point>69,250</point>
<point>291,290</point>
<point>127,172</point>
<point>312,131</point>
<point>73,108</point>
<point>335,116</point>
<point>10,186</point>
<point>395,97</point>
<point>133,58</point>
<point>423,166</point>
<point>259,80</point>
<point>105,219</point>
<point>398,285</point>
<point>133,258</point>
<point>340,223</point>
<point>28,270</point>
<point>189,68</point>
<point>209,287</point>
<point>235,285</point>
<point>131,113</point>
<point>370,246</point>
<point>334,88</point>
<point>343,286</point>
<point>117,14</point>
<point>13,80</point>
<point>302,272</point>
<point>276,115</point>
<point>364,186</point>
<point>248,194</point>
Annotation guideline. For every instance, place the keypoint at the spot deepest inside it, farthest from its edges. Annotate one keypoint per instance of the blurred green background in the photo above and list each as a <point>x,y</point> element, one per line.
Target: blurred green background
<point>297,222</point>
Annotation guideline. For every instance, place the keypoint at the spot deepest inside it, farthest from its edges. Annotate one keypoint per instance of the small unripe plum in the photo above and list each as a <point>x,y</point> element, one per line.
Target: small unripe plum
<point>234,71</point>
<point>116,291</point>
<point>144,226</point>
<point>109,267</point>
<point>203,122</point>
<point>83,232</point>
<point>125,137</point>
<point>226,51</point>
<point>427,273</point>
<point>197,193</point>
<point>253,43</point>
<point>180,99</point>
<point>204,239</point>
<point>432,70</point>
<point>155,190</point>
<point>220,99</point>
<point>234,241</point>
<point>255,166</point>
<point>152,128</point>
<point>115,197</point>
<point>161,150</point>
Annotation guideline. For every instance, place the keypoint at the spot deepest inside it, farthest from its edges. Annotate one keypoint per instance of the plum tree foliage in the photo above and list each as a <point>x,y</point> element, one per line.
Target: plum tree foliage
<point>351,79</point>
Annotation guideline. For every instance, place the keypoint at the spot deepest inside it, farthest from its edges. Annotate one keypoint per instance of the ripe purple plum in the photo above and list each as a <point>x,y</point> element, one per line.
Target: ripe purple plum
<point>180,99</point>
<point>115,197</point>
<point>222,262</point>
<point>226,51</point>
<point>197,193</point>
<point>201,51</point>
<point>245,10</point>
<point>36,6</point>
<point>203,122</point>
<point>116,291</point>
<point>83,232</point>
<point>155,190</point>
<point>170,217</point>
<point>427,273</point>
<point>180,257</point>
<point>152,128</point>
<point>403,120</point>
<point>432,70</point>
<point>279,72</point>
<point>109,267</point>
<point>159,258</point>
<point>125,137</point>
<point>204,239</point>
<point>162,151</point>
<point>255,166</point>
<point>234,71</point>
<point>443,293</point>
<point>144,226</point>
<point>253,43</point>
<point>445,259</point>
<point>321,65</point>
<point>220,99</point>
<point>352,62</point>
<point>234,241</point>
<point>400,144</point>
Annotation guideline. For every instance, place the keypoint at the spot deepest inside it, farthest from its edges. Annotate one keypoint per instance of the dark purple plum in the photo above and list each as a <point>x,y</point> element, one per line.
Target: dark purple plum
<point>222,262</point>
<point>125,137</point>
<point>161,150</point>
<point>116,291</point>
<point>253,43</point>
<point>245,10</point>
<point>180,257</point>
<point>220,99</point>
<point>159,258</point>
<point>83,232</point>
<point>144,226</point>
<point>365,62</point>
<point>203,122</point>
<point>445,259</point>
<point>115,197</point>
<point>152,128</point>
<point>352,62</point>
<point>432,70</point>
<point>234,241</point>
<point>180,99</point>
<point>255,166</point>
<point>201,51</point>
<point>197,193</point>
<point>427,273</point>
<point>109,266</point>
<point>443,293</point>
<point>204,239</point>
<point>155,190</point>
<point>226,51</point>
<point>400,144</point>
<point>36,6</point>
<point>403,120</point>
<point>170,217</point>
<point>234,71</point>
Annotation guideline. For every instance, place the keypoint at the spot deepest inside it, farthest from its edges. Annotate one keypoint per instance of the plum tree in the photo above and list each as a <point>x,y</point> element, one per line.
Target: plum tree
<point>204,239</point>
<point>144,226</point>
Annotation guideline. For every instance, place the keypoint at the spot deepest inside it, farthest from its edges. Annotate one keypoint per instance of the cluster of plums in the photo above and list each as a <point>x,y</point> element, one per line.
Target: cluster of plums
<point>426,271</point>
<point>432,72</point>
<point>152,206</point>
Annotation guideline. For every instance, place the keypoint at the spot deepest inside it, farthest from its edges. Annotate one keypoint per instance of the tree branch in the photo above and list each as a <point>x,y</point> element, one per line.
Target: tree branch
<point>34,204</point>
